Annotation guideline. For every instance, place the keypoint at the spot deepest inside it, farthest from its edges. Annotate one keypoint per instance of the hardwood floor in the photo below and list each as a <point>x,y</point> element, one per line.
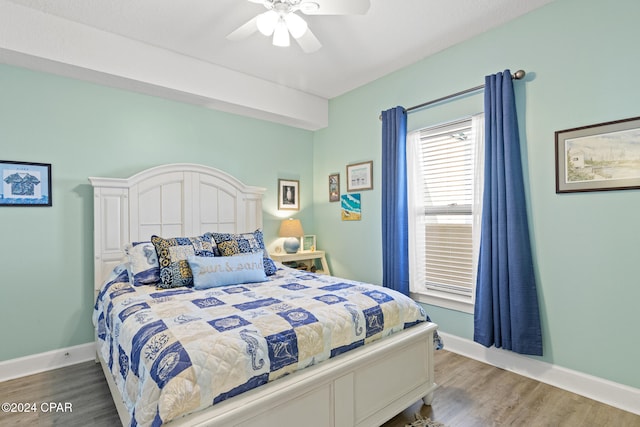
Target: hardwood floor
<point>471,394</point>
<point>474,394</point>
<point>82,385</point>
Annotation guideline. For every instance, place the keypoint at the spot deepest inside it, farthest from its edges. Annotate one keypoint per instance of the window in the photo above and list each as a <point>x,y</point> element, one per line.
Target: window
<point>444,202</point>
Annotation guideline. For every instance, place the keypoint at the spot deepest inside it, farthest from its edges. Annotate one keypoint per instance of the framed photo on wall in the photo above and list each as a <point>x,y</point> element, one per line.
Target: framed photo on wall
<point>334,187</point>
<point>25,184</point>
<point>604,156</point>
<point>288,194</point>
<point>360,176</point>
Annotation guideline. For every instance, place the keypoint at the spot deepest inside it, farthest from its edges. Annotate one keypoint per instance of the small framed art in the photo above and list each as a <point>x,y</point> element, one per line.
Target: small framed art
<point>360,176</point>
<point>334,187</point>
<point>288,194</point>
<point>308,243</point>
<point>25,184</point>
<point>604,156</point>
<point>351,207</point>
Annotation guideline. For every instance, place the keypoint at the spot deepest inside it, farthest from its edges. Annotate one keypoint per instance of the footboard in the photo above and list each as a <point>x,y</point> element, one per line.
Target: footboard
<point>364,387</point>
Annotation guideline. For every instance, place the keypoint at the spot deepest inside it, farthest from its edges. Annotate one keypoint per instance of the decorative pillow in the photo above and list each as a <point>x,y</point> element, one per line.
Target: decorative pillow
<point>143,263</point>
<point>210,272</point>
<point>172,258</point>
<point>232,244</point>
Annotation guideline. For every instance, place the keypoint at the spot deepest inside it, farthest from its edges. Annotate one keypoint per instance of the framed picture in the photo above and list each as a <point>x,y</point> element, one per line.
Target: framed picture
<point>308,243</point>
<point>351,207</point>
<point>25,184</point>
<point>360,176</point>
<point>334,187</point>
<point>605,156</point>
<point>288,194</point>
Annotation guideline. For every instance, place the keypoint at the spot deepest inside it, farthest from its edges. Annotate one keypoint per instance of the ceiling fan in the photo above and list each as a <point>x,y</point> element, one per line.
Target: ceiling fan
<point>281,19</point>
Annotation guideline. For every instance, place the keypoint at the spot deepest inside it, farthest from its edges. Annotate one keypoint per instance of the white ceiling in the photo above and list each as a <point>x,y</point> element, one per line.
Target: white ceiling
<point>177,49</point>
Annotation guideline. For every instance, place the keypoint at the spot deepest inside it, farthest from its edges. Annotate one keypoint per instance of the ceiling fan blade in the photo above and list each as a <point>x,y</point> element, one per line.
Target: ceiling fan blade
<point>335,7</point>
<point>244,30</point>
<point>308,42</point>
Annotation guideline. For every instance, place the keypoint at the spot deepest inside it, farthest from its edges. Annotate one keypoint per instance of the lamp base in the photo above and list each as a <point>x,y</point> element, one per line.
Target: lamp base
<point>291,245</point>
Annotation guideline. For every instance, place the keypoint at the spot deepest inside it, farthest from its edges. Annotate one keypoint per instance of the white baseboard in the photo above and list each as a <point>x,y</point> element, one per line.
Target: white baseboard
<point>614,394</point>
<point>36,363</point>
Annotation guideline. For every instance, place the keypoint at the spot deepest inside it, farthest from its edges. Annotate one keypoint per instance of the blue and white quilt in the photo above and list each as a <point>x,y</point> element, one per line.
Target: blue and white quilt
<point>176,351</point>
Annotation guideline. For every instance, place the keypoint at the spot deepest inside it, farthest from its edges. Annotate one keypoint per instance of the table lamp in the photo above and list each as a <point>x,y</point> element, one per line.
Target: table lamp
<point>292,230</point>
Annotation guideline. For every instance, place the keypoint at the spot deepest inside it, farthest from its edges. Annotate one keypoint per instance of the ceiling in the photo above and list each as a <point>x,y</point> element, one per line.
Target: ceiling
<point>178,49</point>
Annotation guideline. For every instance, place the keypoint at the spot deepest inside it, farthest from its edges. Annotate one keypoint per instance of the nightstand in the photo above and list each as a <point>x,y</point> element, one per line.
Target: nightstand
<point>306,258</point>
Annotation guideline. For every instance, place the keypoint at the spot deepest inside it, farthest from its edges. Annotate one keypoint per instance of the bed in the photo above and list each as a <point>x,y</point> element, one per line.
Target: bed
<point>190,353</point>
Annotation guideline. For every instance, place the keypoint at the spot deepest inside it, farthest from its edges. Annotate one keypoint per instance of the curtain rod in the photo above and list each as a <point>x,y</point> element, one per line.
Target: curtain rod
<point>518,75</point>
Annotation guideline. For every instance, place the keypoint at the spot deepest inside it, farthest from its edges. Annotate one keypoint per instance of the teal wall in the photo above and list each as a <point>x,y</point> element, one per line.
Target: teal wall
<point>581,62</point>
<point>87,130</point>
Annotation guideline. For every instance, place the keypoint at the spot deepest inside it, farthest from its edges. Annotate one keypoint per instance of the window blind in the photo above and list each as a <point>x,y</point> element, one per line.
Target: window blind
<point>446,191</point>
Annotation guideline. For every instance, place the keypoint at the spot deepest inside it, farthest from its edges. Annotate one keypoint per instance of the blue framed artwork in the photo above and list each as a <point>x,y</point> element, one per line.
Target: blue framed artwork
<point>351,207</point>
<point>25,184</point>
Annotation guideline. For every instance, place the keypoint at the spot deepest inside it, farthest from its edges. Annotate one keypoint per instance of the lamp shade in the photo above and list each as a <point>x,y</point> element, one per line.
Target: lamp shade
<point>266,22</point>
<point>281,34</point>
<point>296,25</point>
<point>292,229</point>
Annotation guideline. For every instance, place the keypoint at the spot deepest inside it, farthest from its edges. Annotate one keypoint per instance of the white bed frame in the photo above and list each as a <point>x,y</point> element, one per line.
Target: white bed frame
<point>364,387</point>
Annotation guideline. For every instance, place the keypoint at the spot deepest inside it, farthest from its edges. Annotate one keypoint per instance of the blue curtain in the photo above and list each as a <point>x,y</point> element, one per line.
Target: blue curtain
<point>395,226</point>
<point>506,309</point>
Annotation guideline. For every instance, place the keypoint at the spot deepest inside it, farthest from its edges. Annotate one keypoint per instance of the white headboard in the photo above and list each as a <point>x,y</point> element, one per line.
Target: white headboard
<point>173,200</point>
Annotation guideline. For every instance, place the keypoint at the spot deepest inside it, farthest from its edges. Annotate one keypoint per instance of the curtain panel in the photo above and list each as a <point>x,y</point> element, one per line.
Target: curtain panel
<point>395,231</point>
<point>506,308</point>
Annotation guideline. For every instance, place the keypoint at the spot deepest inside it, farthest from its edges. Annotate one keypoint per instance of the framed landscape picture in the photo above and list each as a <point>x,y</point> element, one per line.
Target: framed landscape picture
<point>604,156</point>
<point>25,184</point>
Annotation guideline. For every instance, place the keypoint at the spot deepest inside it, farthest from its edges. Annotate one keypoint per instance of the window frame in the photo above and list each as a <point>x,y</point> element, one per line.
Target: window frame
<point>419,291</point>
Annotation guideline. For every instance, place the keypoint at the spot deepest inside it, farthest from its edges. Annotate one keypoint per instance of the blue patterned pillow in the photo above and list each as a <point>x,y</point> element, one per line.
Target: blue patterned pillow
<point>210,272</point>
<point>229,244</point>
<point>172,258</point>
<point>143,263</point>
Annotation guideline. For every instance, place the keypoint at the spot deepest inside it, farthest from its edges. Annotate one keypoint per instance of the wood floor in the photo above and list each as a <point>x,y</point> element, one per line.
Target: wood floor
<point>471,394</point>
<point>474,394</point>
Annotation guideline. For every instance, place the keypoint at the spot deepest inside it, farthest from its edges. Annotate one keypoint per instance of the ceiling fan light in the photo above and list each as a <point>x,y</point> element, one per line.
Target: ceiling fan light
<point>267,22</point>
<point>281,34</point>
<point>297,26</point>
